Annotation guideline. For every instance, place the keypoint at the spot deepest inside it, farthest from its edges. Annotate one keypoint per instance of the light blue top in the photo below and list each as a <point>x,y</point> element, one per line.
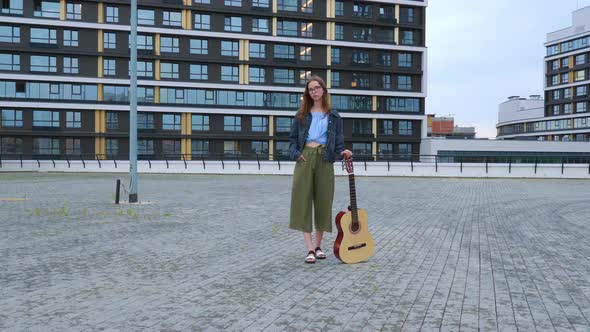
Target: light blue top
<point>318,131</point>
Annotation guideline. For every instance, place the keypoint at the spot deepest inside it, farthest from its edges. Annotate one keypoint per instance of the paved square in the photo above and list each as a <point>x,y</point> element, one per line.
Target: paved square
<point>214,253</point>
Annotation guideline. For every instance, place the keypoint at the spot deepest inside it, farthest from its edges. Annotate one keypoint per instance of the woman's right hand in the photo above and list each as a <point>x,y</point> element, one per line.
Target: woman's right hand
<point>301,157</point>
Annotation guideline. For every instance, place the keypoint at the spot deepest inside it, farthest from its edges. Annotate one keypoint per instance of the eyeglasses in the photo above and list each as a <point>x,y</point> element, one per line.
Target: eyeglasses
<point>316,89</point>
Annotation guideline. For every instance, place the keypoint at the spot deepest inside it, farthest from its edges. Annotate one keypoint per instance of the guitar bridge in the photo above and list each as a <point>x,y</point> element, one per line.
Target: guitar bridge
<point>358,246</point>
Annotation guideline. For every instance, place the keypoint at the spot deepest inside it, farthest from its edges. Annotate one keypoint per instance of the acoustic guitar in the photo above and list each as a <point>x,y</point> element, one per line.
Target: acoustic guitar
<point>354,243</point>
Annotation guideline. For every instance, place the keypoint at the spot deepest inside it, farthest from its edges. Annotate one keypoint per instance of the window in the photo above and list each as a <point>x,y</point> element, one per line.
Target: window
<point>205,2</point>
<point>231,148</point>
<point>579,75</point>
<point>305,53</point>
<point>283,125</point>
<point>230,73</point>
<point>284,76</point>
<point>112,120</point>
<point>230,48</point>
<point>387,128</point>
<point>110,40</point>
<point>581,107</point>
<point>73,120</point>
<point>257,75</point>
<point>386,36</point>
<point>581,91</point>
<point>232,123</point>
<point>407,38</point>
<point>9,34</point>
<point>257,50</point>
<point>281,150</point>
<point>11,145</point>
<point>71,38</point>
<point>200,122</point>
<point>287,28</point>
<point>362,10</point>
<point>360,57</point>
<point>48,9</point>
<point>233,3</point>
<point>580,59</point>
<point>44,36</point>
<point>360,80</point>
<point>112,14</point>
<point>172,19</point>
<point>171,148</point>
<point>200,148</point>
<point>261,3</point>
<point>259,124</point>
<point>361,127</point>
<point>199,72</point>
<point>43,63</point>
<point>145,17</point>
<point>567,108</point>
<point>168,70</point>
<point>554,64</point>
<point>335,58</point>
<point>565,78</point>
<point>70,65</point>
<point>407,15</point>
<point>12,118</point>
<point>202,22</point>
<point>556,94</point>
<point>336,79</point>
<point>339,7</point>
<point>145,147</point>
<point>339,32</point>
<point>304,76</point>
<point>386,12</point>
<point>169,45</point>
<point>405,128</point>
<point>362,150</point>
<point>386,81</point>
<point>170,121</point>
<point>144,69</point>
<point>144,42</point>
<point>233,24</point>
<point>287,5</point>
<point>112,148</point>
<point>260,147</point>
<point>199,46</point>
<point>46,146</point>
<point>10,62</point>
<point>404,150</point>
<point>306,29</point>
<point>260,25</point>
<point>109,67</point>
<point>284,52</point>
<point>567,93</point>
<point>307,6</point>
<point>145,121</point>
<point>556,109</point>
<point>46,119</point>
<point>12,7</point>
<point>404,82</point>
<point>385,150</point>
<point>565,62</point>
<point>74,11</point>
<point>384,58</point>
<point>554,79</point>
<point>404,60</point>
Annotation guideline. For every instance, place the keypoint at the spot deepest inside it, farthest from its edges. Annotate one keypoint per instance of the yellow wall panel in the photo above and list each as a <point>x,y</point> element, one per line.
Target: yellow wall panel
<point>100,12</point>
<point>62,10</point>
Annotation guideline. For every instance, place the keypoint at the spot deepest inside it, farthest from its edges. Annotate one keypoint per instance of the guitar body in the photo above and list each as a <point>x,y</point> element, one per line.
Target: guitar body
<point>353,244</point>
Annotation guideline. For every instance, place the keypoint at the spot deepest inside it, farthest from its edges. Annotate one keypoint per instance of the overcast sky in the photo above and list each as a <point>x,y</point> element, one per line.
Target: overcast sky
<point>481,52</point>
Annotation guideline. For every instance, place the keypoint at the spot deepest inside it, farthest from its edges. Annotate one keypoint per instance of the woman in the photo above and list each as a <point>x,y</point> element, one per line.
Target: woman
<point>317,141</point>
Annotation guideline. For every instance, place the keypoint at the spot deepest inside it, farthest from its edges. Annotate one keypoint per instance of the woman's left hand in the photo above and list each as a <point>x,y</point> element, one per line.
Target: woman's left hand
<point>346,153</point>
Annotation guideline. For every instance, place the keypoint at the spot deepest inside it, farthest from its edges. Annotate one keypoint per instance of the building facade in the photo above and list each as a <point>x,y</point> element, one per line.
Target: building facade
<point>518,113</point>
<point>444,126</point>
<point>216,78</point>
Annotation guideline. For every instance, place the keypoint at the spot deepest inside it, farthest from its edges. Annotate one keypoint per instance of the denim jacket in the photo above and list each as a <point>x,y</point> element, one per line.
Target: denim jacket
<point>334,143</point>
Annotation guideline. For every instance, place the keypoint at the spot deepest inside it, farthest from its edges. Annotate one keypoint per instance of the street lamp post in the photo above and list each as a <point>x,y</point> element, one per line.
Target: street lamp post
<point>133,107</point>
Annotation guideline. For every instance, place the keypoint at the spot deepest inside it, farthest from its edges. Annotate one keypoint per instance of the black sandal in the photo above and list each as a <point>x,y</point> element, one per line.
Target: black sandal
<point>319,254</point>
<point>310,258</point>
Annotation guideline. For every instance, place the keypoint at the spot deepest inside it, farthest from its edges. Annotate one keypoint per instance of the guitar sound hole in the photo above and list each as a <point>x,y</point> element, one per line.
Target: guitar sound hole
<point>355,227</point>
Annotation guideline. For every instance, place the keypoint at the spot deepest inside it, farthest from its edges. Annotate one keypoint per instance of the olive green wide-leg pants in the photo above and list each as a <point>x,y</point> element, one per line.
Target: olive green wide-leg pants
<point>313,181</point>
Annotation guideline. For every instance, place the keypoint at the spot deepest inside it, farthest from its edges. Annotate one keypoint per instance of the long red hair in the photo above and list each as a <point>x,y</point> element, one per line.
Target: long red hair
<point>307,101</point>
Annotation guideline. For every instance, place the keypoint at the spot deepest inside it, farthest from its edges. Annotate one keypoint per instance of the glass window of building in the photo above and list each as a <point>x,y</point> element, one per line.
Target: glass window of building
<point>9,34</point>
<point>171,121</point>
<point>230,73</point>
<point>261,3</point>
<point>71,38</point>
<point>46,8</point>
<point>230,48</point>
<point>339,8</point>
<point>259,124</point>
<point>146,17</point>
<point>385,150</point>
<point>257,75</point>
<point>46,119</point>
<point>199,46</point>
<point>10,62</point>
<point>145,120</point>
<point>145,147</point>
<point>109,67</point>
<point>169,70</point>
<point>169,45</point>
<point>70,65</point>
<point>259,147</point>
<point>73,120</point>
<point>200,122</point>
<point>12,118</point>
<point>283,76</point>
<point>112,120</point>
<point>232,123</point>
<point>405,128</point>
<point>199,72</point>
<point>202,22</point>
<point>404,82</point>
<point>73,11</point>
<point>109,40</point>
<point>404,60</point>
<point>580,59</point>
<point>200,148</point>
<point>335,57</point>
<point>44,36</point>
<point>171,18</point>
<point>305,53</point>
<point>287,28</point>
<point>112,14</point>
<point>43,63</point>
<point>407,38</point>
<point>14,7</point>
<point>171,148</point>
<point>257,50</point>
<point>284,52</point>
<point>335,79</point>
<point>233,3</point>
<point>260,25</point>
<point>233,24</point>
<point>46,146</point>
<point>339,32</point>
<point>112,148</point>
<point>387,127</point>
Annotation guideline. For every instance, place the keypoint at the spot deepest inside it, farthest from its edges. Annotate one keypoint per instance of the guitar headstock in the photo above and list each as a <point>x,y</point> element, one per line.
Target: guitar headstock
<point>348,165</point>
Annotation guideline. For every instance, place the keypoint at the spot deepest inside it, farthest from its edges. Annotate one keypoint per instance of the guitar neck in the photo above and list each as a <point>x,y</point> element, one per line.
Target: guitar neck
<point>353,206</point>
